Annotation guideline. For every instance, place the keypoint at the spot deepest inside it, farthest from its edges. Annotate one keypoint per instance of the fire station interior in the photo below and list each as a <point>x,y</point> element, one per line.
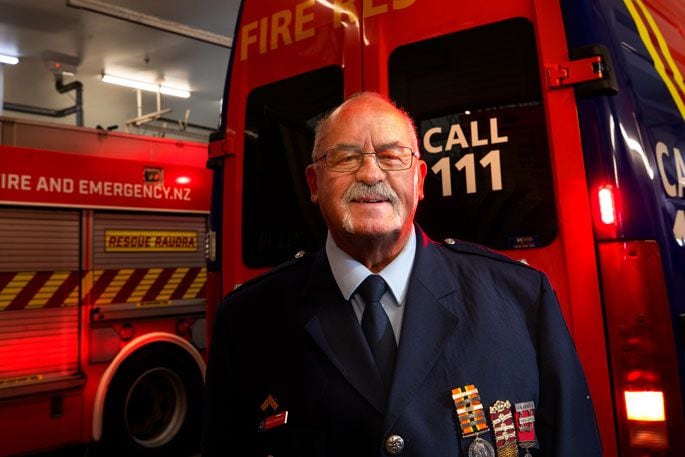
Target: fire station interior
<point>129,207</point>
<point>183,46</point>
<point>63,63</point>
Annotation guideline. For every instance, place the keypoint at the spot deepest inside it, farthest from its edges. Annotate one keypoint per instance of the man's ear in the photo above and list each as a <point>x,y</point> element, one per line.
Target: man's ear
<point>422,170</point>
<point>310,173</point>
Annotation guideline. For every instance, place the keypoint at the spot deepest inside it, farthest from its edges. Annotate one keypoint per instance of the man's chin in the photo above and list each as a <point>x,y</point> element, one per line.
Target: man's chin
<point>371,230</point>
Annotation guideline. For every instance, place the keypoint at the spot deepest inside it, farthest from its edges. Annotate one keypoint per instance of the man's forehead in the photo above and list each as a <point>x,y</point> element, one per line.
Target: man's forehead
<point>371,103</point>
<point>361,118</point>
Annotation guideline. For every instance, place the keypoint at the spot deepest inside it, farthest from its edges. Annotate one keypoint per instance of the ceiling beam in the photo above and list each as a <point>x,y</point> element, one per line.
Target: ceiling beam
<point>155,22</point>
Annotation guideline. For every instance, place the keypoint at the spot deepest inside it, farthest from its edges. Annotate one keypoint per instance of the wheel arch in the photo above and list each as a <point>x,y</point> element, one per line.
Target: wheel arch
<point>131,348</point>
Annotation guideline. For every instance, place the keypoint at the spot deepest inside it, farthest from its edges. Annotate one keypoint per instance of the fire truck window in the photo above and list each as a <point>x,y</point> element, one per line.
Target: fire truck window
<point>476,99</point>
<point>278,218</point>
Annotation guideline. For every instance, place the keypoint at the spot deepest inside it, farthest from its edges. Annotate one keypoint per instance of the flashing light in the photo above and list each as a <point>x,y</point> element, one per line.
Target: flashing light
<point>607,209</point>
<point>8,59</point>
<point>141,85</point>
<point>153,175</point>
<point>183,180</point>
<point>645,406</point>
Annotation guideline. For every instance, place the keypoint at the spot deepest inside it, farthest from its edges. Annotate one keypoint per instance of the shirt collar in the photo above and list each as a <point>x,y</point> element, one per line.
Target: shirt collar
<point>349,273</point>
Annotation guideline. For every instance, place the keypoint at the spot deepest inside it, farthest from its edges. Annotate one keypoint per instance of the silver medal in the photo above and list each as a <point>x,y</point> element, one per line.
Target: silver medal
<point>481,448</point>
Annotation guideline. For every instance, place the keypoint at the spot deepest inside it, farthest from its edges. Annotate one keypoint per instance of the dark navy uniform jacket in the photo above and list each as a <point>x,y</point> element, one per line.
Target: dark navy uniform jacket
<point>288,341</point>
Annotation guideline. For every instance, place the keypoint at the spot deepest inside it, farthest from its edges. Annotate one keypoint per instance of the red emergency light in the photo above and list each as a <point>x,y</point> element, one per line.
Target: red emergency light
<point>607,207</point>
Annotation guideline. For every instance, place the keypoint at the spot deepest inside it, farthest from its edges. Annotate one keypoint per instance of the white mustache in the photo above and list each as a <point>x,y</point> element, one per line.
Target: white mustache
<point>360,190</point>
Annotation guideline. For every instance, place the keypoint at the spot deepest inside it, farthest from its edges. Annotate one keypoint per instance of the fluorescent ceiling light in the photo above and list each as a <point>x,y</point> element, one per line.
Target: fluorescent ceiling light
<point>8,59</point>
<point>174,92</point>
<point>151,87</point>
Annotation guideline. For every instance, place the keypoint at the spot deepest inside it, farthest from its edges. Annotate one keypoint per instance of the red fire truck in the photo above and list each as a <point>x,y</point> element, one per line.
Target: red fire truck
<point>102,286</point>
<point>553,131</point>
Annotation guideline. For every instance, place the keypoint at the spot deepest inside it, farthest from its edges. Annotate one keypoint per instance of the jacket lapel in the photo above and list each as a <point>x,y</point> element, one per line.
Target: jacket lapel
<point>332,324</point>
<point>428,322</point>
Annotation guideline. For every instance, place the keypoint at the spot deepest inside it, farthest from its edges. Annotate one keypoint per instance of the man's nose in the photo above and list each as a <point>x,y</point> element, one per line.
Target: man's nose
<point>369,171</point>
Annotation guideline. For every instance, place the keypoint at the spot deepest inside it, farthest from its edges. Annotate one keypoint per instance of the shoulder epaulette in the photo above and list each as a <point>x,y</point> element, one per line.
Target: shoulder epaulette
<point>466,247</point>
<point>271,272</point>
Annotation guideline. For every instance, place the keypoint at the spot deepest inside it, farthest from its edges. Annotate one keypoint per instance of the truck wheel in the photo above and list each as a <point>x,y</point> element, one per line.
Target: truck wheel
<point>154,405</point>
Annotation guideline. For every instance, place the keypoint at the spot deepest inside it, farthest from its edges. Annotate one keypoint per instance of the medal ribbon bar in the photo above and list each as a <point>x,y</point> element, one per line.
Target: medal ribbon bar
<point>469,410</point>
<point>503,429</point>
<point>524,418</point>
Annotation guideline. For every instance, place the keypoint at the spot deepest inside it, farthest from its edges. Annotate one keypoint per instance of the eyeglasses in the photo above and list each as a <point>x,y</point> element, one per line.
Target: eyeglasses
<point>350,159</point>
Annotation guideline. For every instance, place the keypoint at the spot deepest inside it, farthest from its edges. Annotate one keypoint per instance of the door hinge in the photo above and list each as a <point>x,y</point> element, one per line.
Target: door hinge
<point>589,71</point>
<point>575,72</point>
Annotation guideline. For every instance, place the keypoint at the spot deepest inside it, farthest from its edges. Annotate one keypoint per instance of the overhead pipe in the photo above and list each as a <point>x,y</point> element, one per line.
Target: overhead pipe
<point>76,86</point>
<point>61,88</point>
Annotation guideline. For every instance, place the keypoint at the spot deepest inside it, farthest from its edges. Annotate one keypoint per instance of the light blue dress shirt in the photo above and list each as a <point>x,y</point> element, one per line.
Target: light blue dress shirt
<point>349,273</point>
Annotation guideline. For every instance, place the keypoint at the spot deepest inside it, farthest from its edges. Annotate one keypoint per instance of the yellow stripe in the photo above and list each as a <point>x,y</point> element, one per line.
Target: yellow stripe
<point>196,285</point>
<point>14,287</point>
<point>114,287</point>
<point>145,284</point>
<point>663,45</point>
<point>659,65</point>
<point>41,297</point>
<point>172,284</point>
<point>87,282</point>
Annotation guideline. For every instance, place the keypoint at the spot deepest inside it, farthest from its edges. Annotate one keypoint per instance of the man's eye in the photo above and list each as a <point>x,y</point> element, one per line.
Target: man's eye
<point>347,158</point>
<point>389,156</point>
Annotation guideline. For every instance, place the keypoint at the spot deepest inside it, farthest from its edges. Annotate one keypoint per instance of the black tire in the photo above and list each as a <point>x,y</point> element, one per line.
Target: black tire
<point>154,405</point>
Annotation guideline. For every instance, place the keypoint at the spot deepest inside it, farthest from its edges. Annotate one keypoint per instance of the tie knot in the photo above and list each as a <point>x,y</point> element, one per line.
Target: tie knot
<point>372,288</point>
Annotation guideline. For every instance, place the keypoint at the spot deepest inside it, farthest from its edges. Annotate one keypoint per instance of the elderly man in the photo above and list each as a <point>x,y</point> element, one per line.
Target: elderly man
<point>384,342</point>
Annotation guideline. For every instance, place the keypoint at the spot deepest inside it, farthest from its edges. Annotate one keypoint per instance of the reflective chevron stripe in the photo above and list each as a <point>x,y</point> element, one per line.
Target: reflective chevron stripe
<point>54,289</point>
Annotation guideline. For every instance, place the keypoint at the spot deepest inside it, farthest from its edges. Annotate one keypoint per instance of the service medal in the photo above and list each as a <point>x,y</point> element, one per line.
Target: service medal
<point>503,428</point>
<point>481,448</point>
<point>525,425</point>
<point>472,420</point>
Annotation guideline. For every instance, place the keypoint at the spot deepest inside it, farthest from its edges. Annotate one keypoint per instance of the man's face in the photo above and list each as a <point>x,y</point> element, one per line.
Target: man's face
<point>369,202</point>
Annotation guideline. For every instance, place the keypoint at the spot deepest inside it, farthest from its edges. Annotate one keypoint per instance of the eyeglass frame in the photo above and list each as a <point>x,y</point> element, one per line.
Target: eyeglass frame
<point>374,154</point>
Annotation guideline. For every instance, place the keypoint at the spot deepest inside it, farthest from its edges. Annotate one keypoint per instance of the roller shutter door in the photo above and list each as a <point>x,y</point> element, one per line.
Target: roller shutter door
<point>39,295</point>
<point>153,272</point>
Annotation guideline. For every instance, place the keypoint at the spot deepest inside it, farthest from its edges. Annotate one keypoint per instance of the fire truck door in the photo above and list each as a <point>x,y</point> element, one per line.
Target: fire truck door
<point>291,65</point>
<point>503,149</point>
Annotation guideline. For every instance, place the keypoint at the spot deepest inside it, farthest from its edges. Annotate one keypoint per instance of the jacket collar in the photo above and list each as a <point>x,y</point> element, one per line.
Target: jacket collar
<point>427,324</point>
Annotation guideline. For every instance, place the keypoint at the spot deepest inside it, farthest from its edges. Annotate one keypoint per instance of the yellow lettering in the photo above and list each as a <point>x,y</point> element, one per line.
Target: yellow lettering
<point>280,22</point>
<point>263,29</point>
<point>345,7</point>
<point>247,39</point>
<point>399,4</point>
<point>370,10</point>
<point>301,19</point>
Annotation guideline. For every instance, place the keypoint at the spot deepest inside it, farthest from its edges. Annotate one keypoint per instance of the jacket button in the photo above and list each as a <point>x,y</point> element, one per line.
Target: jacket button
<point>394,444</point>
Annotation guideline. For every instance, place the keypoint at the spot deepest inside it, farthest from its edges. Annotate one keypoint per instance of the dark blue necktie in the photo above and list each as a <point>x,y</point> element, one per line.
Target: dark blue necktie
<point>376,327</point>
